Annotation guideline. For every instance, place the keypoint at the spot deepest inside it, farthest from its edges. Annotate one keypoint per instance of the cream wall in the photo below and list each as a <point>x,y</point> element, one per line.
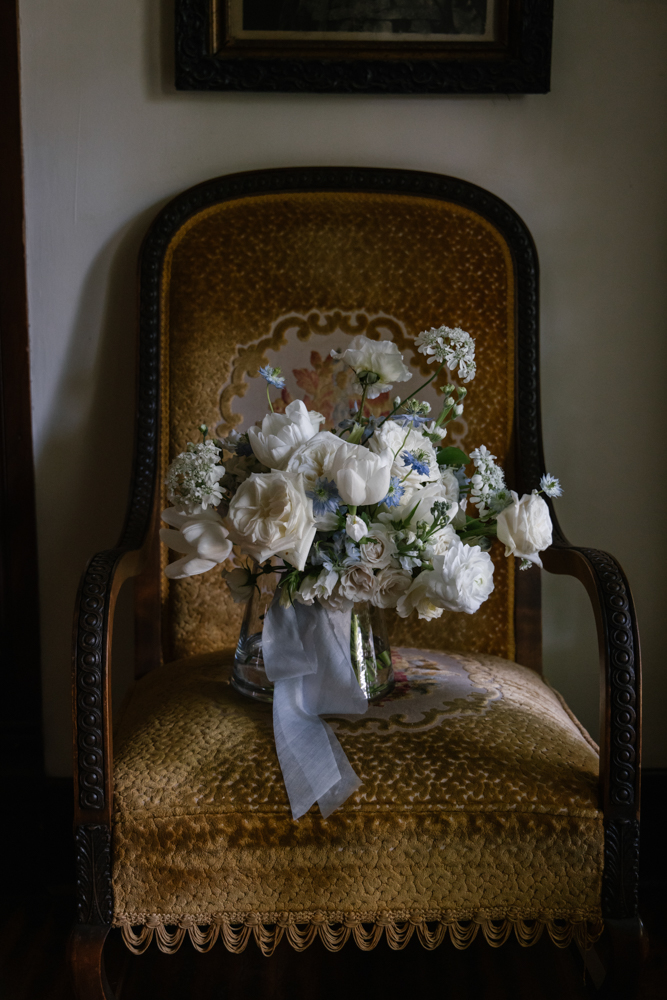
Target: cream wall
<point>108,141</point>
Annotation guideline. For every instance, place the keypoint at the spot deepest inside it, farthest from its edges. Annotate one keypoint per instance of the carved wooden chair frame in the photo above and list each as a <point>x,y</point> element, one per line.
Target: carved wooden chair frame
<point>136,555</point>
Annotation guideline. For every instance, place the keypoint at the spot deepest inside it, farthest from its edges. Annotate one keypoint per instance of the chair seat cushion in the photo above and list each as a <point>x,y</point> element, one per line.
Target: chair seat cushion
<point>479,801</point>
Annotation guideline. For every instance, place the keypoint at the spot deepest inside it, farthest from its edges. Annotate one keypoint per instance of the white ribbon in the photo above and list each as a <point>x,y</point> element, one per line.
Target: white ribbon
<point>306,651</point>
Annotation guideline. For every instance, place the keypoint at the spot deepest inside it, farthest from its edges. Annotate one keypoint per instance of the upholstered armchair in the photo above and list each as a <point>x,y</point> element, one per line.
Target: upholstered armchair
<point>489,812</point>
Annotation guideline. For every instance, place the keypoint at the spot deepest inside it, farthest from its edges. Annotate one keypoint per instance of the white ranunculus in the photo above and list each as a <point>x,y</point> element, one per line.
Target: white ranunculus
<point>315,588</point>
<point>270,515</point>
<point>390,585</point>
<point>391,435</point>
<point>462,578</point>
<point>525,527</point>
<point>202,538</point>
<point>440,542</point>
<point>361,476</point>
<point>357,582</point>
<point>314,458</point>
<point>381,357</point>
<point>379,547</point>
<point>355,527</point>
<point>241,584</point>
<point>419,598</point>
<point>282,433</point>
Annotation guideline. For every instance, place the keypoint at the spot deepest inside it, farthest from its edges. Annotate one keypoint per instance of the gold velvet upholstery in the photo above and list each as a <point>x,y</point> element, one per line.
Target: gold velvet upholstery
<point>236,272</point>
<point>478,803</point>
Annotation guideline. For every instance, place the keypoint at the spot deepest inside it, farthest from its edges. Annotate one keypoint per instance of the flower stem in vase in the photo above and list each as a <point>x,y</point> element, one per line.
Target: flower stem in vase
<point>369,650</point>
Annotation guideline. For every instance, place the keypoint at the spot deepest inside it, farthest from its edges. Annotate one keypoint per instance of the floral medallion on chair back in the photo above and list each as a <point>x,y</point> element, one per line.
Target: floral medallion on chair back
<point>280,280</point>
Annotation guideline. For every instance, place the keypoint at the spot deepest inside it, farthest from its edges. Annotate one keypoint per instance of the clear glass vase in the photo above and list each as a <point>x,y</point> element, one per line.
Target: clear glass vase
<point>369,647</point>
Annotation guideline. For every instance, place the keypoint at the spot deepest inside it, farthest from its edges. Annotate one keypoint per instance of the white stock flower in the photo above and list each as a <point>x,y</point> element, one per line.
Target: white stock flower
<point>418,598</point>
<point>379,547</point>
<point>282,433</point>
<point>357,582</point>
<point>202,538</point>
<point>315,588</point>
<point>379,358</point>
<point>270,515</point>
<point>240,582</point>
<point>361,476</point>
<point>525,527</point>
<point>314,458</point>
<point>462,578</point>
<point>390,585</point>
<point>391,435</point>
<point>193,478</point>
<point>355,527</point>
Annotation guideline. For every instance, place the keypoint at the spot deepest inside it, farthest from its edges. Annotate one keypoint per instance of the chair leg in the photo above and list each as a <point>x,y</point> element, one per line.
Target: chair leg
<point>627,949</point>
<point>86,945</point>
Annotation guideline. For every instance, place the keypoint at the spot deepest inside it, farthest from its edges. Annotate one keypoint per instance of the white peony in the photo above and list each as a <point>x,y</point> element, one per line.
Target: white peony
<point>462,578</point>
<point>379,359</point>
<point>357,582</point>
<point>390,585</point>
<point>241,583</point>
<point>355,527</point>
<point>270,515</point>
<point>202,538</point>
<point>391,435</point>
<point>525,527</point>
<point>419,598</point>
<point>314,458</point>
<point>379,547</point>
<point>282,433</point>
<point>361,476</point>
<point>315,588</point>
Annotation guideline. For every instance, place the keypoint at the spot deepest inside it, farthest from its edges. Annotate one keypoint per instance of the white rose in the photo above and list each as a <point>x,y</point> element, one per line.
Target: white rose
<point>241,584</point>
<point>314,588</point>
<point>525,527</point>
<point>381,357</point>
<point>379,547</point>
<point>270,515</point>
<point>419,598</point>
<point>314,458</point>
<point>392,435</point>
<point>202,538</point>
<point>357,582</point>
<point>462,578</point>
<point>390,585</point>
<point>282,433</point>
<point>361,476</point>
<point>355,527</point>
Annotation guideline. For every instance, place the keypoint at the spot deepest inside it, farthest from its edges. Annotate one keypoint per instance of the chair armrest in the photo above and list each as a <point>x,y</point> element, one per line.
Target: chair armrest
<point>620,715</point>
<point>91,688</point>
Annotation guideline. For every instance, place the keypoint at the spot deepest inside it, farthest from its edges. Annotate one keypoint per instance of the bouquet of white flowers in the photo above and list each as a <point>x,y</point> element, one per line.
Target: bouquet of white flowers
<point>376,509</point>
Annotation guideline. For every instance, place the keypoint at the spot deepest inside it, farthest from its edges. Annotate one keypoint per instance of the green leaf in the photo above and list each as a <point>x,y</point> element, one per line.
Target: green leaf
<point>452,456</point>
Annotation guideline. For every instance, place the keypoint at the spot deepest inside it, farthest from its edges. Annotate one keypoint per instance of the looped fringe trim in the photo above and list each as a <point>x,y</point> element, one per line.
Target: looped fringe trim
<point>366,935</point>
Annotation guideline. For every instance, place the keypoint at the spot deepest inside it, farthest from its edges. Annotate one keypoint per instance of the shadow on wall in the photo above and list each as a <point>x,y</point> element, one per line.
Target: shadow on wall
<point>85,458</point>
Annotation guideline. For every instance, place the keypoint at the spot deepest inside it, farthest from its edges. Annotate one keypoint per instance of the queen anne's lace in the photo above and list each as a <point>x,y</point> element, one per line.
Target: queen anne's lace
<point>193,478</point>
<point>451,346</point>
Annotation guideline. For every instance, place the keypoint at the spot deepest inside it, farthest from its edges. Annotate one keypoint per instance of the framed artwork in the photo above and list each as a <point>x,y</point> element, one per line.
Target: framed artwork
<point>365,46</point>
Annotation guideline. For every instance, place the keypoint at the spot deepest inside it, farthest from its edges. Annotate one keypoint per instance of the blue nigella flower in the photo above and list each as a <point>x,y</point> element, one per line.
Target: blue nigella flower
<point>325,497</point>
<point>396,491</point>
<point>410,419</point>
<point>415,462</point>
<point>273,376</point>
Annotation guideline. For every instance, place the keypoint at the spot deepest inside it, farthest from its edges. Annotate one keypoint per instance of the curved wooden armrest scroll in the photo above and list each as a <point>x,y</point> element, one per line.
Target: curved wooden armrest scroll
<point>620,707</point>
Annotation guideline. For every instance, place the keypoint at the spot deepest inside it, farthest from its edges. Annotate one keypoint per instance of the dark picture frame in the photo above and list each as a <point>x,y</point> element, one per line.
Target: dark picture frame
<point>315,46</point>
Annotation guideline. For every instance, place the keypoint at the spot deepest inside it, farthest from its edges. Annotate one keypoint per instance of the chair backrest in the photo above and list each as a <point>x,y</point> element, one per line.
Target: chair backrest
<point>279,267</point>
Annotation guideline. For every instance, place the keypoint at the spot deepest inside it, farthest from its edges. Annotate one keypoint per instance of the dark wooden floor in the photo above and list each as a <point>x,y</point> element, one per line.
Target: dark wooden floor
<point>36,919</point>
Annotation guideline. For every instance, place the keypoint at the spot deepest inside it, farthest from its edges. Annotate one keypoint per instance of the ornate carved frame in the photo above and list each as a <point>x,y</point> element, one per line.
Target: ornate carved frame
<point>519,64</point>
<point>135,553</point>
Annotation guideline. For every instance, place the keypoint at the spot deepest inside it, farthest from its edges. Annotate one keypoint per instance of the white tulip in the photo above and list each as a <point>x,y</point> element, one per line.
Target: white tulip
<point>525,527</point>
<point>379,358</point>
<point>202,538</point>
<point>361,476</point>
<point>241,584</point>
<point>270,515</point>
<point>282,433</point>
<point>391,435</point>
<point>315,458</point>
<point>355,527</point>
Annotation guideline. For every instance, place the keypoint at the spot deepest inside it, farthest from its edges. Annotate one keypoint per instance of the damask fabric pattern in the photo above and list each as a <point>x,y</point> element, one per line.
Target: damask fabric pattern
<point>234,269</point>
<point>478,802</point>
